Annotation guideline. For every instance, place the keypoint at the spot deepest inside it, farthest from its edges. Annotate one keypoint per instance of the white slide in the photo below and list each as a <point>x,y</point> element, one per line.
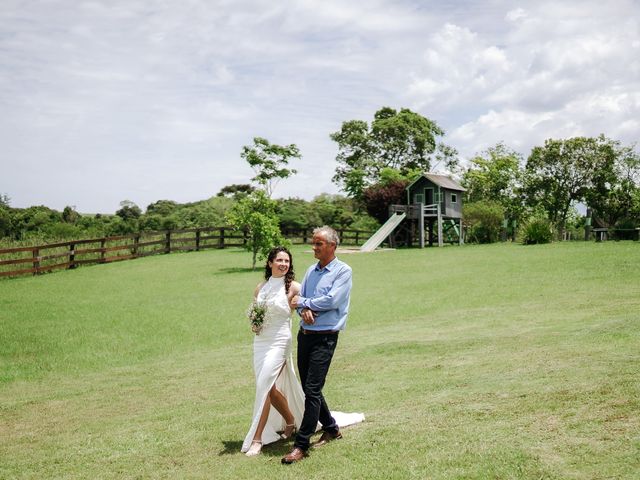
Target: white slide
<point>383,232</point>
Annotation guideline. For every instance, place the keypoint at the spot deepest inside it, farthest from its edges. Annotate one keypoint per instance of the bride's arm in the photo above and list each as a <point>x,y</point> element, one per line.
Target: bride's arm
<point>255,292</point>
<point>294,291</point>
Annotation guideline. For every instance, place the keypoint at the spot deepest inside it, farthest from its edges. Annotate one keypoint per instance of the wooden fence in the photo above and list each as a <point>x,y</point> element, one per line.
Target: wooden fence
<point>71,254</point>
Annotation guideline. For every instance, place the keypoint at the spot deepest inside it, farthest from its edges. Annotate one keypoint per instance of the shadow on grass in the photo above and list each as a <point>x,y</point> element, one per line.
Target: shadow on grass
<point>224,271</point>
<point>230,447</point>
<point>276,449</point>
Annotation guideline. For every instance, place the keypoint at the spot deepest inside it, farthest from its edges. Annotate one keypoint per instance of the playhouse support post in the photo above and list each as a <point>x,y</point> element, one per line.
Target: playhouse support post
<point>421,224</point>
<point>440,239</point>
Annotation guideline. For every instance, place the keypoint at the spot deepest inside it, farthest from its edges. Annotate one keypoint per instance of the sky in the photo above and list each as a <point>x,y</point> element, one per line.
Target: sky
<point>146,100</point>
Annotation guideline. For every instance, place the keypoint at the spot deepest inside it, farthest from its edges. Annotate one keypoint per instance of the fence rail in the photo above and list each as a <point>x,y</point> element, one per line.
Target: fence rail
<point>71,254</point>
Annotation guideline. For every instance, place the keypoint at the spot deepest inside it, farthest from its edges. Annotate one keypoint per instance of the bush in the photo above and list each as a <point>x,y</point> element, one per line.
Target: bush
<point>535,231</point>
<point>483,221</point>
<point>151,222</point>
<point>625,229</point>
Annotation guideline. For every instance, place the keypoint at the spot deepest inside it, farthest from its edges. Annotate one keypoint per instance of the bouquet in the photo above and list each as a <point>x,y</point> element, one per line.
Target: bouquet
<point>257,314</point>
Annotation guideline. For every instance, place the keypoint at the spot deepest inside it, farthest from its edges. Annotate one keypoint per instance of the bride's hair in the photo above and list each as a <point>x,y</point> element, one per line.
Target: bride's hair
<point>290,275</point>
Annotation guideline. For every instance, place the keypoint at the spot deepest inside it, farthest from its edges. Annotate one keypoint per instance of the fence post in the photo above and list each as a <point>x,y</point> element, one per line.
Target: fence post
<point>103,242</point>
<point>136,240</point>
<point>36,260</point>
<point>221,238</point>
<point>167,247</point>
<point>197,240</point>
<point>72,256</point>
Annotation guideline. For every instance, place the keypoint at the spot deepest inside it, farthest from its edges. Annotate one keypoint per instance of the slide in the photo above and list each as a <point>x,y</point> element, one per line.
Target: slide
<point>383,232</point>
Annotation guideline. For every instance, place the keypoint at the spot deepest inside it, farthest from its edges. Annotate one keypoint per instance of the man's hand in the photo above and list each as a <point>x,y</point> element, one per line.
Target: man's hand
<point>308,316</point>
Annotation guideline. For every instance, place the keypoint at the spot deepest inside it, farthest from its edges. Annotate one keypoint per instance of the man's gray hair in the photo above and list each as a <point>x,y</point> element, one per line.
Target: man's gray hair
<point>329,234</point>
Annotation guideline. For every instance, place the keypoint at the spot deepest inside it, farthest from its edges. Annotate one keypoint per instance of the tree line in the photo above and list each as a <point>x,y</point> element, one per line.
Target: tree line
<point>376,160</point>
<point>504,190</point>
<point>44,224</point>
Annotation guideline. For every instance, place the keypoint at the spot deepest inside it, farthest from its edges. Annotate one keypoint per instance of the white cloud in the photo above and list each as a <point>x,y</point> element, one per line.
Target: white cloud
<point>149,99</point>
<point>516,15</point>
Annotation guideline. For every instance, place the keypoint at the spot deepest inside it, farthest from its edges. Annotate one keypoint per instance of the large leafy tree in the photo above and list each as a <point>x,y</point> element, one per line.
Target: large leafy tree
<point>401,140</point>
<point>496,176</point>
<point>616,196</point>
<point>563,172</point>
<point>270,162</point>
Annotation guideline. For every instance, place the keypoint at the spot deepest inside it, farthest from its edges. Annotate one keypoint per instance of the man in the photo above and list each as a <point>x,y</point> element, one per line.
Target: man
<point>323,305</point>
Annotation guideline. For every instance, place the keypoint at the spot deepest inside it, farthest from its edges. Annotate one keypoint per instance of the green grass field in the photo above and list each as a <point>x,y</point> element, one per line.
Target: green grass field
<point>496,362</point>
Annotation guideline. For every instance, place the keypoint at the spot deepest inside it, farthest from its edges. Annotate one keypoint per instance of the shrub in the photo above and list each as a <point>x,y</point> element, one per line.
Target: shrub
<point>483,220</point>
<point>537,230</point>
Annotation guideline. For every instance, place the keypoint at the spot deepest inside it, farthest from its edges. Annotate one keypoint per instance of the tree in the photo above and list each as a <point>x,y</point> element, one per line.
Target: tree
<point>269,162</point>
<point>5,222</point>
<point>5,216</point>
<point>563,171</point>
<point>496,175</point>
<point>256,215</point>
<point>128,210</point>
<point>70,215</point>
<point>162,208</point>
<point>616,196</point>
<point>404,141</point>
<point>378,197</point>
<point>236,190</point>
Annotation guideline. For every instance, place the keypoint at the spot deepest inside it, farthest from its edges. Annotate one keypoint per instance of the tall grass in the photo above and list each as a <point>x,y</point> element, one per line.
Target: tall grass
<point>498,361</point>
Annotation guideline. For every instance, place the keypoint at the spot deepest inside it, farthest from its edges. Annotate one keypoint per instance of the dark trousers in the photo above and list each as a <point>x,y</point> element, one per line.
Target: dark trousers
<point>314,358</point>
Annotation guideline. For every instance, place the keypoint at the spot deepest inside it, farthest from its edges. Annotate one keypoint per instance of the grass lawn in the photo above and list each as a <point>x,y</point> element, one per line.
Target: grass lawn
<point>497,362</point>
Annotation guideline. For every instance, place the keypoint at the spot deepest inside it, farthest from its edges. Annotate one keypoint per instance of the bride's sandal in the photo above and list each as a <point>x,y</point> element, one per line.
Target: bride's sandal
<point>254,449</point>
<point>289,431</point>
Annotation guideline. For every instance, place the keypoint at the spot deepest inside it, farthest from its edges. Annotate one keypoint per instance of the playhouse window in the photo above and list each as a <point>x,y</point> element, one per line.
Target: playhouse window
<point>418,198</point>
<point>454,198</point>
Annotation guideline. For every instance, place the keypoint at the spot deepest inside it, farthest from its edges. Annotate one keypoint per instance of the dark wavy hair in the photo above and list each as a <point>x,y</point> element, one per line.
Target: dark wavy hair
<point>289,276</point>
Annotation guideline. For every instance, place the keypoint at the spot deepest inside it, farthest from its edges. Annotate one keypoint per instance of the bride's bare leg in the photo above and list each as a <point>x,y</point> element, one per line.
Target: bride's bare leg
<point>279,402</point>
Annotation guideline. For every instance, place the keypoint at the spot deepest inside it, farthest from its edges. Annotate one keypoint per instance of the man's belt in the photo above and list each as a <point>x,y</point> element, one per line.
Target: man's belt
<point>317,332</point>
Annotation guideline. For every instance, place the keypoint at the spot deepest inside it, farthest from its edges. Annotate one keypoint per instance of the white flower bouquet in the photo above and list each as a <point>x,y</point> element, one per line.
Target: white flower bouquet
<point>257,315</point>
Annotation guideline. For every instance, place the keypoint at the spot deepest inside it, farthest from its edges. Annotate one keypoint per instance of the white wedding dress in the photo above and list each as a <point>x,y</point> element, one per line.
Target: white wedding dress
<point>273,363</point>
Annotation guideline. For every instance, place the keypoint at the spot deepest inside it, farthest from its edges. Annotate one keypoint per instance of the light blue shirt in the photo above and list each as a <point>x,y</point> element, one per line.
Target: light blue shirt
<point>327,292</point>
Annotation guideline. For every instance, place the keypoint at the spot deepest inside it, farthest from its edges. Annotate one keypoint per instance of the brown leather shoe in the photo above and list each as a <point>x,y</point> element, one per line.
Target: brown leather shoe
<point>326,438</point>
<point>294,456</point>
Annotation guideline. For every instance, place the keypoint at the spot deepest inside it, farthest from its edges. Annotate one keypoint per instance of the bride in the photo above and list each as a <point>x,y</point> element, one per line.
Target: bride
<point>279,402</point>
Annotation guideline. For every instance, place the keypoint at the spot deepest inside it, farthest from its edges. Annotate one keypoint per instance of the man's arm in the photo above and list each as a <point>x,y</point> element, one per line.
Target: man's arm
<point>333,298</point>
